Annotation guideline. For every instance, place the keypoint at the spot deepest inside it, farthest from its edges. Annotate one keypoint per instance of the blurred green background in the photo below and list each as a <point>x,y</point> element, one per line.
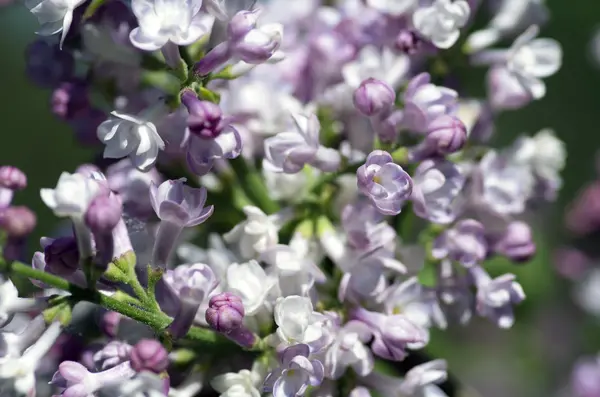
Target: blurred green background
<point>532,359</point>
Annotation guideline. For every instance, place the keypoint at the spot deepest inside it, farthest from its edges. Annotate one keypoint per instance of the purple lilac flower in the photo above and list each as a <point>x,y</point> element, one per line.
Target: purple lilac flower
<point>464,243</point>
<point>424,102</point>
<point>295,374</point>
<point>178,206</point>
<point>385,183</point>
<point>436,185</point>
<point>496,297</point>
<point>392,334</point>
<point>192,284</point>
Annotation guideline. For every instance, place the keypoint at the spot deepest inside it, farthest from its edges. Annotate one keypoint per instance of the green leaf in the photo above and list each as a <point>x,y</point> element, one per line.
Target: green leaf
<point>428,274</point>
<point>162,80</point>
<point>92,8</point>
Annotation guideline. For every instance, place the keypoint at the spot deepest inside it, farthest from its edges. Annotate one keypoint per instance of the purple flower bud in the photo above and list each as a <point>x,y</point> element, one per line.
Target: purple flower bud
<point>205,118</point>
<point>259,44</point>
<point>69,98</point>
<point>47,65</point>
<point>103,214</point>
<point>446,135</point>
<point>571,263</point>
<point>149,355</point>
<point>373,97</point>
<point>109,324</point>
<point>225,312</point>
<point>17,221</point>
<point>61,256</point>
<point>407,42</point>
<point>583,214</point>
<point>386,184</point>
<point>241,24</point>
<point>12,178</point>
<point>211,61</point>
<point>517,242</point>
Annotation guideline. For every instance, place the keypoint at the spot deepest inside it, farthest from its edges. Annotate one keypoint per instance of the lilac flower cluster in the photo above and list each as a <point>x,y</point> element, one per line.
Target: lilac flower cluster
<point>279,213</point>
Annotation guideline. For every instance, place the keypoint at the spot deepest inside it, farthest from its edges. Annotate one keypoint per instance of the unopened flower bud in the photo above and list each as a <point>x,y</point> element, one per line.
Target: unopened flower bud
<point>103,214</point>
<point>373,96</point>
<point>205,118</point>
<point>12,178</point>
<point>225,312</point>
<point>517,242</point>
<point>109,324</point>
<point>446,134</point>
<point>407,42</point>
<point>17,221</point>
<point>68,99</point>
<point>241,24</point>
<point>149,355</point>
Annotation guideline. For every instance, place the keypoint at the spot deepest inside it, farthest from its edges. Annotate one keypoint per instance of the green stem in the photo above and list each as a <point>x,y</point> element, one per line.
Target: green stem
<point>138,289</point>
<point>157,321</point>
<point>253,185</point>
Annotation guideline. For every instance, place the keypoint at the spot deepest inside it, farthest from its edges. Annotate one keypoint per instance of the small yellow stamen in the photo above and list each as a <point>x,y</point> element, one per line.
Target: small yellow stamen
<point>377,179</point>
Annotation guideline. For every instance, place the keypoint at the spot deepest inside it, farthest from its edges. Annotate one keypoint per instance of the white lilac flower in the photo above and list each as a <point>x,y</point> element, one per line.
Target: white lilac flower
<point>441,22</point>
<point>19,367</point>
<point>394,8</point>
<point>544,153</point>
<point>527,61</point>
<point>54,16</point>
<point>216,255</point>
<point>290,151</point>
<point>283,186</point>
<point>11,304</point>
<point>296,273</point>
<point>507,184</point>
<point>176,21</point>
<point>133,136</point>
<point>71,198</point>
<point>225,9</point>
<point>72,195</point>
<point>511,16</point>
<point>349,349</point>
<point>246,383</point>
<point>256,234</point>
<point>297,322</point>
<point>414,301</point>
<point>251,283</point>
<point>424,376</point>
